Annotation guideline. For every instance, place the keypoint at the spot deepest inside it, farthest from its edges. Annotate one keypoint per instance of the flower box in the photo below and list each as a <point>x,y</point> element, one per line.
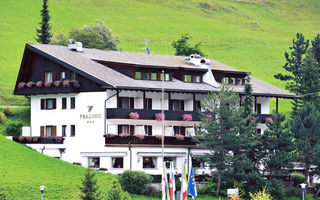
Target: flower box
<point>159,117</point>
<point>187,117</point>
<point>134,115</point>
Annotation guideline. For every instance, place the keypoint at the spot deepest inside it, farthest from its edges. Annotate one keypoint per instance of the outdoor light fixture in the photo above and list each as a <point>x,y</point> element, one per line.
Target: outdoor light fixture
<point>42,189</point>
<point>303,186</point>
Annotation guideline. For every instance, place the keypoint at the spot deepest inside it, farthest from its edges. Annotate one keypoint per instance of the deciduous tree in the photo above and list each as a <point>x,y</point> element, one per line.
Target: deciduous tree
<point>183,48</point>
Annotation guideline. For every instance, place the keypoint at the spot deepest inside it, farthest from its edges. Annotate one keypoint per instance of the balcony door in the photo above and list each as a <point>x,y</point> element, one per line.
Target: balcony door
<point>126,102</point>
<point>177,105</point>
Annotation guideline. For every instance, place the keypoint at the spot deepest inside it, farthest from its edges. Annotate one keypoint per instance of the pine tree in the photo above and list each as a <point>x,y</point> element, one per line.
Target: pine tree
<point>218,131</point>
<point>277,146</point>
<point>89,188</point>
<point>316,48</point>
<point>293,66</point>
<point>43,33</point>
<point>305,128</point>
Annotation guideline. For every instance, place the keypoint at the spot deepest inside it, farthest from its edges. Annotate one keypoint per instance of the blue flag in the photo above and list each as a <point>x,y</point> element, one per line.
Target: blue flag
<point>192,190</point>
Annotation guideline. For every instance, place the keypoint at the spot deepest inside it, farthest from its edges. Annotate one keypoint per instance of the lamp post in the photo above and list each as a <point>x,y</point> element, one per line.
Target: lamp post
<point>42,189</point>
<point>303,186</point>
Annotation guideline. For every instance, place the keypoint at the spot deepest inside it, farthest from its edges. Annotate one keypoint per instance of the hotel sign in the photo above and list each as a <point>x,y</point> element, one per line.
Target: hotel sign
<point>90,116</point>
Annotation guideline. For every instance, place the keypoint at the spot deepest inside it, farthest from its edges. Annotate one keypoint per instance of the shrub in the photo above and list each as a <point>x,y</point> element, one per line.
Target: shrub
<point>276,189</point>
<point>2,117</point>
<point>152,191</point>
<point>209,188</point>
<point>293,192</point>
<point>134,181</point>
<point>7,111</point>
<point>2,195</point>
<point>297,179</point>
<point>261,195</point>
<point>14,129</point>
<point>89,188</point>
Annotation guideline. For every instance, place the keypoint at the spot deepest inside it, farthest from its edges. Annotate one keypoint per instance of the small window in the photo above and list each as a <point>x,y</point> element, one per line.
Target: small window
<point>64,131</point>
<point>225,80</point>
<point>94,162</point>
<point>146,76</point>
<point>137,75</point>
<point>148,103</point>
<point>197,105</point>
<point>48,77</point>
<point>64,103</point>
<point>72,130</point>
<point>258,108</point>
<point>126,102</point>
<point>73,76</point>
<point>73,103</point>
<point>149,162</point>
<point>196,79</point>
<point>148,129</point>
<point>187,78</point>
<point>48,104</point>
<point>62,76</point>
<point>179,130</point>
<point>239,81</point>
<point>153,76</point>
<point>48,131</point>
<point>167,160</point>
<point>166,76</point>
<point>117,163</point>
<point>126,129</point>
<point>232,81</point>
<point>177,104</point>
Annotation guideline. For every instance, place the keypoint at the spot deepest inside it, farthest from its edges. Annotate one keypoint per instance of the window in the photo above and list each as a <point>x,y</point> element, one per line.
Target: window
<point>177,104</point>
<point>167,76</point>
<point>167,160</point>
<point>137,75</point>
<point>225,80</point>
<point>126,102</point>
<point>94,162</point>
<point>117,162</point>
<point>148,104</point>
<point>196,79</point>
<point>239,81</point>
<point>47,131</point>
<point>64,103</point>
<point>73,76</point>
<point>187,78</point>
<point>62,76</point>
<point>179,130</point>
<point>48,104</point>
<point>64,131</point>
<point>72,130</point>
<point>258,107</point>
<point>148,129</point>
<point>154,76</point>
<point>146,76</point>
<point>48,77</point>
<point>232,81</point>
<point>73,103</point>
<point>126,129</point>
<point>149,162</point>
<point>197,105</point>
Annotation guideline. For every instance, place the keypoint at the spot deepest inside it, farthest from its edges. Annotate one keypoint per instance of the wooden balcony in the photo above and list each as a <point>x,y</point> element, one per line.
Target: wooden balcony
<point>151,141</point>
<point>121,113</point>
<point>38,140</point>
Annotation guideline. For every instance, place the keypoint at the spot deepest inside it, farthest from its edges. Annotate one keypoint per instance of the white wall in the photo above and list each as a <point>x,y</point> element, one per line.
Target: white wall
<point>264,101</point>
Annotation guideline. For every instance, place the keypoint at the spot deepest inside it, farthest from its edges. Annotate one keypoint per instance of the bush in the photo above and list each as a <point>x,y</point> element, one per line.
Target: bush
<point>114,193</point>
<point>14,129</point>
<point>2,196</point>
<point>276,189</point>
<point>152,191</point>
<point>209,188</point>
<point>134,181</point>
<point>7,111</point>
<point>2,117</point>
<point>261,195</point>
<point>293,192</point>
<point>297,179</point>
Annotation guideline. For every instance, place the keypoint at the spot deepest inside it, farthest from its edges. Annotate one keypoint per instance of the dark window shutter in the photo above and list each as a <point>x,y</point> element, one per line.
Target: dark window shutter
<point>119,129</point>
<point>170,104</point>
<point>131,102</point>
<point>42,131</point>
<point>149,104</point>
<point>183,130</point>
<point>54,131</point>
<point>54,103</point>
<point>176,130</point>
<point>131,129</point>
<point>182,104</point>
<point>64,103</point>
<point>43,104</point>
<point>120,102</point>
<point>149,130</point>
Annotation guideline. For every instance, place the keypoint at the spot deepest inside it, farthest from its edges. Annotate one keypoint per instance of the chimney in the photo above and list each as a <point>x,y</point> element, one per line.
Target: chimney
<point>76,46</point>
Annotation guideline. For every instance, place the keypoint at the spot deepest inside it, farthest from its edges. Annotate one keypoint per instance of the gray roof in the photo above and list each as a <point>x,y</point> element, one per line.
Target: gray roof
<point>84,62</point>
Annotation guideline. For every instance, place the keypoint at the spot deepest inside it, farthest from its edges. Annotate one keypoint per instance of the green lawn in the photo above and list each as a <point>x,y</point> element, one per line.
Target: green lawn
<point>250,35</point>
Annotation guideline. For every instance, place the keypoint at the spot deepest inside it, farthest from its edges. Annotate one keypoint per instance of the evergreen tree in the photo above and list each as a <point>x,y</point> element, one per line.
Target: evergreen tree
<point>183,48</point>
<point>89,188</point>
<point>305,128</point>
<point>43,34</point>
<point>218,131</point>
<point>277,146</point>
<point>293,66</point>
<point>316,48</point>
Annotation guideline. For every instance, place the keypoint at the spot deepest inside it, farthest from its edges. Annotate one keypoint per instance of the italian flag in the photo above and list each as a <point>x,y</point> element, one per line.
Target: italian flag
<point>184,184</point>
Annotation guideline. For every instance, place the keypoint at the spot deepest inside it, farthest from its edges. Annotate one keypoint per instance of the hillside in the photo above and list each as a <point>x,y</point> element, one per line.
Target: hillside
<point>250,35</point>
<point>23,170</point>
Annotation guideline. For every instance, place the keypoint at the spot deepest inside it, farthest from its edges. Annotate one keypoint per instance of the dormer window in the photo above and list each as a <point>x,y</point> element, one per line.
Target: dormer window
<point>154,76</point>
<point>137,75</point>
<point>233,81</point>
<point>192,78</point>
<point>167,76</point>
<point>48,77</point>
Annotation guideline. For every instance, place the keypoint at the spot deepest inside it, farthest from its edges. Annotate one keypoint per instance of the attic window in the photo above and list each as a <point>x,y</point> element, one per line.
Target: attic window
<point>203,61</point>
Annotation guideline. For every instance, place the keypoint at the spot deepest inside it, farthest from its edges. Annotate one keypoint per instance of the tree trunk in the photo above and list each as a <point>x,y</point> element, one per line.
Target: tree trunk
<point>317,192</point>
<point>219,185</point>
<point>307,174</point>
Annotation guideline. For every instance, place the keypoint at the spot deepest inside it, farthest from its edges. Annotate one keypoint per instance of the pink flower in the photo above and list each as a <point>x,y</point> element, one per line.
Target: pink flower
<point>123,135</point>
<point>159,137</point>
<point>20,138</point>
<point>159,117</point>
<point>110,135</point>
<point>187,117</point>
<point>29,138</point>
<point>75,83</point>
<point>140,136</point>
<point>35,139</point>
<point>66,83</point>
<point>39,84</point>
<point>57,83</point>
<point>134,115</point>
<point>269,120</point>
<point>208,118</point>
<point>30,84</point>
<point>47,84</point>
<point>179,137</point>
<point>59,139</point>
<point>21,85</point>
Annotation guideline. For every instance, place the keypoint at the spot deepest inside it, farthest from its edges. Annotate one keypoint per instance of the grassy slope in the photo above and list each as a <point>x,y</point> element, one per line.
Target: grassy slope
<point>23,170</point>
<point>249,35</point>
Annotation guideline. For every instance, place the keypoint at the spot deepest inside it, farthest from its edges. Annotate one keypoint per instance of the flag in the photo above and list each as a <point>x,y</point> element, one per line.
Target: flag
<point>163,185</point>
<point>172,183</point>
<point>192,190</point>
<point>184,184</point>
